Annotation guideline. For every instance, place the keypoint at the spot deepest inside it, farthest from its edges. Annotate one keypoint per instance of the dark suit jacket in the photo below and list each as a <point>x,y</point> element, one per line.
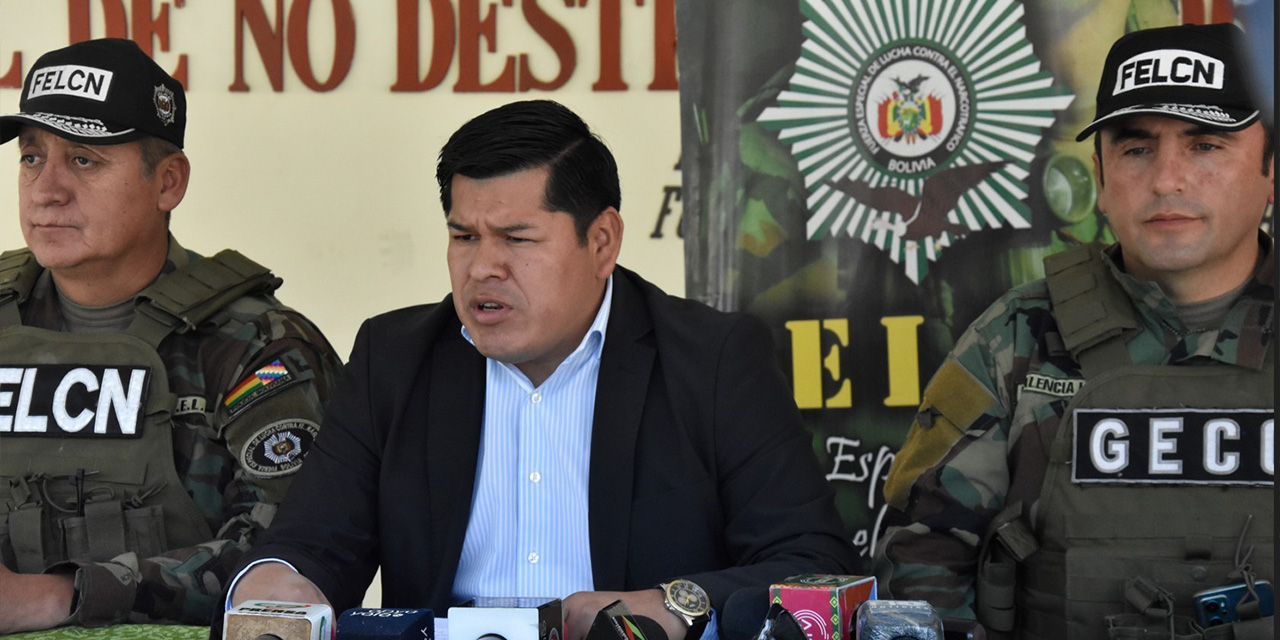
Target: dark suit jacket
<point>700,467</point>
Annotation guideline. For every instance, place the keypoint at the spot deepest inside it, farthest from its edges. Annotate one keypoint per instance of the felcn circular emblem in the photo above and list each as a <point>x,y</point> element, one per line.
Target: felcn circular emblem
<point>914,124</point>
<point>912,109</point>
<point>279,448</point>
<point>165,106</point>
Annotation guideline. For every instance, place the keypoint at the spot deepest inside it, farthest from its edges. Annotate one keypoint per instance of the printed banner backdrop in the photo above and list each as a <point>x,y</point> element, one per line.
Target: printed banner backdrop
<point>869,175</point>
<point>315,124</point>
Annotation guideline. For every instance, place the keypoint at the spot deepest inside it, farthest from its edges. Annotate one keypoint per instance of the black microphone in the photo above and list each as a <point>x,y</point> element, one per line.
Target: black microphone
<point>898,620</point>
<point>616,622</point>
<point>744,613</point>
<point>387,624</point>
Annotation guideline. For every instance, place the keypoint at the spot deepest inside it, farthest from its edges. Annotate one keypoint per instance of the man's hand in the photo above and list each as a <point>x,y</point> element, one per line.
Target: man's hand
<point>33,602</point>
<point>276,581</point>
<point>580,611</point>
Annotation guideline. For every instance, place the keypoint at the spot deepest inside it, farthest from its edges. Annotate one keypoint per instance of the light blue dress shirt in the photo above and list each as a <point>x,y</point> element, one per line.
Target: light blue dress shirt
<point>528,531</point>
<point>527,535</point>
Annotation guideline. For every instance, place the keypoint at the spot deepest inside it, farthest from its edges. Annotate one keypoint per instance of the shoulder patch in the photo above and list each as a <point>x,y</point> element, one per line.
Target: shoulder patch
<point>257,385</point>
<point>278,449</point>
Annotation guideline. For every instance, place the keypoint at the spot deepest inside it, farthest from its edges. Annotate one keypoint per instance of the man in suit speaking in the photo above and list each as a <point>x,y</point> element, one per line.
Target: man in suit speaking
<point>555,426</point>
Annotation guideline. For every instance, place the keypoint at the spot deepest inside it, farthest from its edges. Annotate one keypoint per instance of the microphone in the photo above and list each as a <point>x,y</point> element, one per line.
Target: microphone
<point>616,622</point>
<point>387,624</point>
<point>507,619</point>
<point>276,620</point>
<point>744,613</point>
<point>898,620</point>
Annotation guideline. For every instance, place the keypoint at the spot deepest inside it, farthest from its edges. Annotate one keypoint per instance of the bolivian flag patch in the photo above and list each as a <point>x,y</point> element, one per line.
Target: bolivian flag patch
<point>259,383</point>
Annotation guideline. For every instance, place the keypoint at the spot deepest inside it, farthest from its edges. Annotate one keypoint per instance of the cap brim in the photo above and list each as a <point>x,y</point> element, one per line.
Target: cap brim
<point>1216,117</point>
<point>83,130</point>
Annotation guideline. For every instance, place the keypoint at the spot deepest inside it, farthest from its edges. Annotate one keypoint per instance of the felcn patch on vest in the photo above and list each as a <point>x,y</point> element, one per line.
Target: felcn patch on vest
<point>85,401</point>
<point>259,384</point>
<point>1174,446</point>
<point>279,448</point>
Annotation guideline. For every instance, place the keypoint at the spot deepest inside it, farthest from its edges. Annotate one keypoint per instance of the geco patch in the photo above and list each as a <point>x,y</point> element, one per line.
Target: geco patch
<point>278,449</point>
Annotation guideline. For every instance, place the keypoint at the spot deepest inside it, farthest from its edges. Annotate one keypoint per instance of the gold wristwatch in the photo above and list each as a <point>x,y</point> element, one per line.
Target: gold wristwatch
<point>687,600</point>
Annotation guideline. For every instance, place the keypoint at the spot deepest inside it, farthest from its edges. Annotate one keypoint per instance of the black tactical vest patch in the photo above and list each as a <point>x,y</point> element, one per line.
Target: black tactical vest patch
<point>1174,446</point>
<point>77,401</point>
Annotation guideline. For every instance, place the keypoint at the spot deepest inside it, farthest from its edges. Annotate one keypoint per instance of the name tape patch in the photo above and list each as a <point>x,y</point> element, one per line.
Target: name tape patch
<point>1177,67</point>
<point>1061,387</point>
<point>70,80</point>
<point>278,449</point>
<point>73,400</point>
<point>1177,446</point>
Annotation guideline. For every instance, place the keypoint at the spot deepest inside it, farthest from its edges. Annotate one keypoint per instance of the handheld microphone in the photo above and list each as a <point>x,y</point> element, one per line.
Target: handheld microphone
<point>507,619</point>
<point>275,620</point>
<point>744,613</point>
<point>616,622</point>
<point>898,620</point>
<point>387,624</point>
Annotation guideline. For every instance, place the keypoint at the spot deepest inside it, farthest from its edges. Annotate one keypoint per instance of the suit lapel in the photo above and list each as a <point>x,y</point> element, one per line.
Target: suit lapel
<point>625,366</point>
<point>454,420</point>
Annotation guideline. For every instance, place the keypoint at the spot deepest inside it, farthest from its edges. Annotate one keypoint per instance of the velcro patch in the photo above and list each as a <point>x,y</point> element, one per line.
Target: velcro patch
<point>1174,446</point>
<point>70,80</point>
<point>85,401</point>
<point>259,384</point>
<point>1172,67</point>
<point>189,404</point>
<point>278,449</point>
<point>1060,387</point>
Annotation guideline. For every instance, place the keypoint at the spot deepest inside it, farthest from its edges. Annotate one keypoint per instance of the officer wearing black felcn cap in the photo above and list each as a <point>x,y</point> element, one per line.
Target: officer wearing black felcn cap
<point>153,403</point>
<point>1099,447</point>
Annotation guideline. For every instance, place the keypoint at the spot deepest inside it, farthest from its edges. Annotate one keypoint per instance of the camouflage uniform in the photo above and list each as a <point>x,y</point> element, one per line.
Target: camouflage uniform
<point>183,585</point>
<point>962,465</point>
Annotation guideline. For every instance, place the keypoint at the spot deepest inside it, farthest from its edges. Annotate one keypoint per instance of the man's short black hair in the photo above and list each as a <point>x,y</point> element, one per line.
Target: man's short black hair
<point>582,174</point>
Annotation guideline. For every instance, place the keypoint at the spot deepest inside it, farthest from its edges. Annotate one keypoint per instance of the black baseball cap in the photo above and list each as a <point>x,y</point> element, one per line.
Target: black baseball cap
<point>104,91</point>
<point>1190,72</point>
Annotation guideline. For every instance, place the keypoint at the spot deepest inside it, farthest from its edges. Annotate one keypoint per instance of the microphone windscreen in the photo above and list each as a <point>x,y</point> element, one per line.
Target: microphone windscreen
<point>386,624</point>
<point>616,622</point>
<point>262,619</point>
<point>898,620</point>
<point>744,613</point>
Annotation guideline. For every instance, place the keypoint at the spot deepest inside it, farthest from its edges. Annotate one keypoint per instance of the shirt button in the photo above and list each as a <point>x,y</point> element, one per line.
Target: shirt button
<point>535,477</point>
<point>536,397</point>
<point>533,557</point>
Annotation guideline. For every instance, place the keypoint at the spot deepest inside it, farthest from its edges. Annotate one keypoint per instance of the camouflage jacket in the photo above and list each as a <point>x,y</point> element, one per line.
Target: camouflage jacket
<point>212,370</point>
<point>960,466</point>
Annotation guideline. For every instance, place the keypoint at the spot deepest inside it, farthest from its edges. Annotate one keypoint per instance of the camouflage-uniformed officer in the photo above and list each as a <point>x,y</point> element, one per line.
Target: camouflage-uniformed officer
<point>153,403</point>
<point>1098,447</point>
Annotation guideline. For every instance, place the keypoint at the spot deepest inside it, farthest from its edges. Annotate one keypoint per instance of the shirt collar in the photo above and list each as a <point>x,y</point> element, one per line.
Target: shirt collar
<point>591,345</point>
<point>1248,319</point>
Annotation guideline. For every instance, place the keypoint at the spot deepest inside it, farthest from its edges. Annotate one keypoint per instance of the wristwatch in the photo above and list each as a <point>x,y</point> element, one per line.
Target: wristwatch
<point>687,600</point>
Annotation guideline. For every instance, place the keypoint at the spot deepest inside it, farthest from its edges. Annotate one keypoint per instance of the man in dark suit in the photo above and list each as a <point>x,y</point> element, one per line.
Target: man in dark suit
<point>555,426</point>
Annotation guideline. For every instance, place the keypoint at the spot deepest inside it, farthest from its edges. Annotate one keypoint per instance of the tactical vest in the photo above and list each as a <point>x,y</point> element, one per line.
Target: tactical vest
<point>1152,478</point>
<point>86,453</point>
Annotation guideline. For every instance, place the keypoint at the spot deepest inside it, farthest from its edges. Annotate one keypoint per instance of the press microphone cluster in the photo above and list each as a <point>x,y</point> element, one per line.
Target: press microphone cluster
<point>275,620</point>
